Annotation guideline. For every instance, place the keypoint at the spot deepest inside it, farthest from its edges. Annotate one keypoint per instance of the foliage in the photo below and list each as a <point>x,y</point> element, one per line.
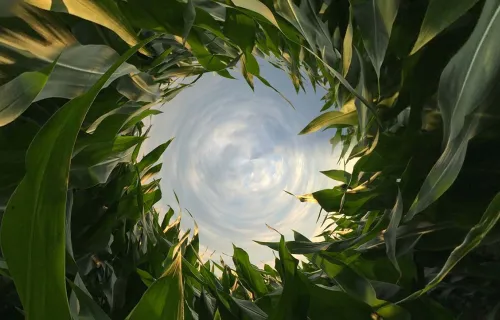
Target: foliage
<point>410,233</point>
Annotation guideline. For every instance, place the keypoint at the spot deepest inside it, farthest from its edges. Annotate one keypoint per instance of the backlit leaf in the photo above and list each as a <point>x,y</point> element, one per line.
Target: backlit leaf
<point>329,119</point>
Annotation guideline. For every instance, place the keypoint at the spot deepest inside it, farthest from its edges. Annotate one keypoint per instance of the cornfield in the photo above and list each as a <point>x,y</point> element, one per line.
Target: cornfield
<point>409,233</point>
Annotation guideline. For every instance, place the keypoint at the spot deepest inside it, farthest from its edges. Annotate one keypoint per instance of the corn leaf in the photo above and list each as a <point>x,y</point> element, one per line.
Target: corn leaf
<point>466,90</point>
<point>474,238</point>
<point>103,12</point>
<point>440,15</point>
<point>375,19</point>
<point>32,232</point>
<point>330,119</point>
<point>164,299</point>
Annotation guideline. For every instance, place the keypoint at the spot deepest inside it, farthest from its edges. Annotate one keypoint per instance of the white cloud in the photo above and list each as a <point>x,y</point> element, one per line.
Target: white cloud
<point>234,154</point>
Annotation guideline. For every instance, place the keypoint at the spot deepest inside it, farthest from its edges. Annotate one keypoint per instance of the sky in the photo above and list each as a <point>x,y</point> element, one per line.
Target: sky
<point>235,152</point>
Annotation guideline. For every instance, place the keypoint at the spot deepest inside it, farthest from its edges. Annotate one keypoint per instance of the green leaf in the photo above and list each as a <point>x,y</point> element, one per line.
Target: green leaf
<point>390,234</point>
<point>189,16</point>
<point>330,119</point>
<point>338,175</point>
<point>472,240</point>
<point>440,15</point>
<point>259,8</point>
<point>193,248</point>
<point>95,163</point>
<point>466,90</point>
<point>315,31</point>
<point>139,87</point>
<point>79,67</point>
<point>375,19</point>
<point>249,273</point>
<point>146,277</point>
<point>325,300</point>
<point>267,84</point>
<point>18,94</point>
<point>359,287</point>
<point>294,301</point>
<point>34,220</point>
<point>76,70</point>
<point>88,308</point>
<point>250,310</point>
<point>103,12</point>
<point>347,46</point>
<point>164,299</point>
<point>150,159</point>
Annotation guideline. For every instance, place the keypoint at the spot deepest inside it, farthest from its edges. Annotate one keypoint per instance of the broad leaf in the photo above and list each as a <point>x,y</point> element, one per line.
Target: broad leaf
<point>164,299</point>
<point>102,12</point>
<point>34,220</point>
<point>139,87</point>
<point>439,16</point>
<point>248,272</point>
<point>86,306</point>
<point>18,94</point>
<point>375,19</point>
<point>466,91</point>
<point>474,238</point>
<point>294,302</point>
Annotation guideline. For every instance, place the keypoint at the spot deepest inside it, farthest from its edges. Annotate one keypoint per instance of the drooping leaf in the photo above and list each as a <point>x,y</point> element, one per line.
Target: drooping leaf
<point>139,87</point>
<point>440,15</point>
<point>189,16</point>
<point>32,231</point>
<point>359,287</point>
<point>466,91</point>
<point>474,237</point>
<point>375,19</point>
<point>18,94</point>
<point>96,162</point>
<point>102,12</point>
<point>257,7</point>
<point>315,31</point>
<point>250,310</point>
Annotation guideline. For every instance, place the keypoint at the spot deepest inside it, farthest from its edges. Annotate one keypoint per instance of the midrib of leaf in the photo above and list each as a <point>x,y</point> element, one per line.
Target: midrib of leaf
<point>375,26</point>
<point>34,221</point>
<point>290,4</point>
<point>476,52</point>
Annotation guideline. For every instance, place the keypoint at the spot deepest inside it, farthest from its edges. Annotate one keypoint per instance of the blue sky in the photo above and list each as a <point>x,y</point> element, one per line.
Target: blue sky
<point>234,153</point>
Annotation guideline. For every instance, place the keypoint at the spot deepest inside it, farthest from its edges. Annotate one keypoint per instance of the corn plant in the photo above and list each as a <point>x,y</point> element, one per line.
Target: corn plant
<point>409,233</point>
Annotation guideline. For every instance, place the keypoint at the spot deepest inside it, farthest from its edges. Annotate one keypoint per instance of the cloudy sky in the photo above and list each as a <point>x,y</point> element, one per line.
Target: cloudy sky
<point>234,153</point>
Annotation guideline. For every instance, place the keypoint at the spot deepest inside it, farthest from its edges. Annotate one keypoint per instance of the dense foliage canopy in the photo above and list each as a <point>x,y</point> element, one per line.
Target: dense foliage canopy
<point>412,88</point>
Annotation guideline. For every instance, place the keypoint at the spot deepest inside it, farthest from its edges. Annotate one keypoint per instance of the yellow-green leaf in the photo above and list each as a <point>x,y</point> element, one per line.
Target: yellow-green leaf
<point>103,12</point>
<point>164,299</point>
<point>331,118</point>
